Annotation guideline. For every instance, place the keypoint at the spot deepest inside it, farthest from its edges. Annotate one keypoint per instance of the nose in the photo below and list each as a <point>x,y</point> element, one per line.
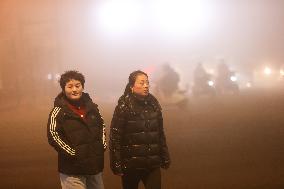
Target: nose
<point>74,89</point>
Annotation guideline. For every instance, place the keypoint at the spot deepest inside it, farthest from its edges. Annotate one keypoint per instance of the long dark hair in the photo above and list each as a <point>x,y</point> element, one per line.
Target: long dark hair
<point>131,80</point>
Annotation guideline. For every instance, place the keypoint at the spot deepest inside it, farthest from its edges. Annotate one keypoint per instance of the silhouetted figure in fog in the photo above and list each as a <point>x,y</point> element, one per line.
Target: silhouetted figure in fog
<point>76,130</point>
<point>137,141</point>
<point>168,82</point>
<point>224,81</point>
<point>224,72</point>
<point>203,85</point>
<point>200,75</point>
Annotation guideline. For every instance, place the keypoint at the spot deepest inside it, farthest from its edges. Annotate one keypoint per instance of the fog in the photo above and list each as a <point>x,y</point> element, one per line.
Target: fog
<point>227,141</point>
<point>38,38</point>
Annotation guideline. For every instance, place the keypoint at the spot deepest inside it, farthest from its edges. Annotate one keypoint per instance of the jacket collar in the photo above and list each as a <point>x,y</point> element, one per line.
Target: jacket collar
<point>61,101</point>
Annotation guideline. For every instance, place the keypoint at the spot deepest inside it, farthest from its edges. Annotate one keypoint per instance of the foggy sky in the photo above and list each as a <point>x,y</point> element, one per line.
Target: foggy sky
<point>39,37</point>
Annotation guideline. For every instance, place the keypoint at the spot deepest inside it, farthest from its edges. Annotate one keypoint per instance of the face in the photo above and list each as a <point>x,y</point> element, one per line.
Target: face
<point>73,90</point>
<point>141,85</point>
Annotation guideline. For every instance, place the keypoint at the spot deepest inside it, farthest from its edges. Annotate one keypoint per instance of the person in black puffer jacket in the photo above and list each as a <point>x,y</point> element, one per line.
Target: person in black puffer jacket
<point>76,131</point>
<point>137,141</point>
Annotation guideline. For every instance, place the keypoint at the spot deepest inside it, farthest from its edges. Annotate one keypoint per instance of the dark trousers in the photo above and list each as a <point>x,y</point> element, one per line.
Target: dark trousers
<point>151,179</point>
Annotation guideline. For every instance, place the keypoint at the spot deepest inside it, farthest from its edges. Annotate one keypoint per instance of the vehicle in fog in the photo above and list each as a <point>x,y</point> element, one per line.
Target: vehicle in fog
<point>166,88</point>
<point>177,99</point>
<point>267,76</point>
<point>226,80</point>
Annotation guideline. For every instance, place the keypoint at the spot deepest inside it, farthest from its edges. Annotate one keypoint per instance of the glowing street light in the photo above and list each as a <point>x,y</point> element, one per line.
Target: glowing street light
<point>267,71</point>
<point>119,16</point>
<point>166,16</point>
<point>282,72</point>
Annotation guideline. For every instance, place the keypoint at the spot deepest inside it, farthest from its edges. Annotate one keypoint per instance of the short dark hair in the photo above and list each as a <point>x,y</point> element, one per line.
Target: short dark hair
<point>69,75</point>
<point>131,80</point>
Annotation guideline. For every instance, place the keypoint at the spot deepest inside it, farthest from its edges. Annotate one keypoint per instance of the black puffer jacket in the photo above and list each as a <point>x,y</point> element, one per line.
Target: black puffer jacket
<point>80,144</point>
<point>137,139</point>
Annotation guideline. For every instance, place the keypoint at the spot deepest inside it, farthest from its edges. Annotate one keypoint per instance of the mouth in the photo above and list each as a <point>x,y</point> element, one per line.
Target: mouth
<point>146,91</point>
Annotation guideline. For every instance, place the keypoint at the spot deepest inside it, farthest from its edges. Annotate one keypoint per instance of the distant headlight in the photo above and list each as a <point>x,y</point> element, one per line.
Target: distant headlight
<point>210,83</point>
<point>49,76</point>
<point>233,78</point>
<point>248,84</point>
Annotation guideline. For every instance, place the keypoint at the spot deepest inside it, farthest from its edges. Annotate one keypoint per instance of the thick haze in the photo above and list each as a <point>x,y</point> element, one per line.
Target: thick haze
<point>38,38</point>
<point>220,135</point>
